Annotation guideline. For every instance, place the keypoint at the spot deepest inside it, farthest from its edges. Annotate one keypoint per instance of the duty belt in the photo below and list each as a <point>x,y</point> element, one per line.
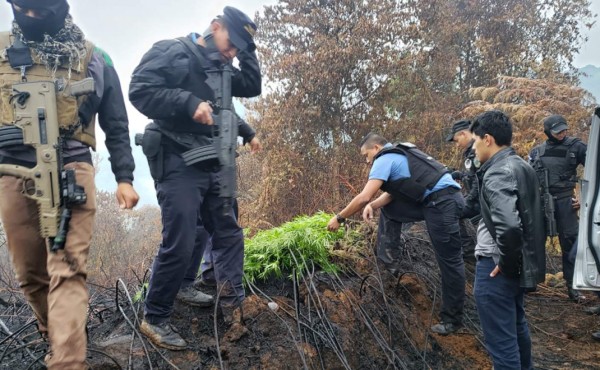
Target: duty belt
<point>437,194</point>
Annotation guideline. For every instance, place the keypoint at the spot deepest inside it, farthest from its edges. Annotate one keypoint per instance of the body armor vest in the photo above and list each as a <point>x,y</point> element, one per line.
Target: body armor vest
<point>425,172</point>
<point>67,106</point>
<point>561,162</point>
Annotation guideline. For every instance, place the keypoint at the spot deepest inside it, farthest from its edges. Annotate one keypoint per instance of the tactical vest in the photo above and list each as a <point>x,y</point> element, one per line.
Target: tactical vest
<point>67,106</point>
<point>425,172</point>
<point>561,162</point>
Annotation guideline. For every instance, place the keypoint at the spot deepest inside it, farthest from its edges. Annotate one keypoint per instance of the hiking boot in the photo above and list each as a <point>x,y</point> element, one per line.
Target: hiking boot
<point>194,297</point>
<point>163,335</point>
<point>575,295</point>
<point>595,310</point>
<point>232,314</point>
<point>204,283</point>
<point>445,328</point>
<point>596,336</point>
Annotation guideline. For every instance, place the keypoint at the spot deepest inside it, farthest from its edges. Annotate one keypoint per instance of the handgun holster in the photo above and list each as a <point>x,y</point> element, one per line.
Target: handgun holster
<point>153,150</point>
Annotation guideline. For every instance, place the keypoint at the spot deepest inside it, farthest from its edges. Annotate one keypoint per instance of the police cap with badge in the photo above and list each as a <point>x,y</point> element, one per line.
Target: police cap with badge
<point>458,126</point>
<point>241,29</point>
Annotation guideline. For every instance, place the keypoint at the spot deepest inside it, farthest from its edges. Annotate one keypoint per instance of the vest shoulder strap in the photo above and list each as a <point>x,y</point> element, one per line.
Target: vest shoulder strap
<point>541,150</point>
<point>193,48</point>
<point>406,145</point>
<point>89,48</point>
<point>569,141</point>
<point>5,43</point>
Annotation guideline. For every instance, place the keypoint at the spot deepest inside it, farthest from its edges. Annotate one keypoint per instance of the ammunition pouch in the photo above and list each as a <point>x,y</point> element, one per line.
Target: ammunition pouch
<point>195,150</point>
<point>151,143</point>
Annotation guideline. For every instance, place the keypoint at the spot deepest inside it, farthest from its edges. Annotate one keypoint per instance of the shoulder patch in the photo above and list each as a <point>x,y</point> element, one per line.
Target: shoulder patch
<point>105,56</point>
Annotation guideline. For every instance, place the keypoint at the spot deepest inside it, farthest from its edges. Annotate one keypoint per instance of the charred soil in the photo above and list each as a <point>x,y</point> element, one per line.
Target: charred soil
<point>363,318</point>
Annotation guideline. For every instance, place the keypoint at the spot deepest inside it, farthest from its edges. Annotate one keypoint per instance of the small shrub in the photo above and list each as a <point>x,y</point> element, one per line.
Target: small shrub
<point>293,246</point>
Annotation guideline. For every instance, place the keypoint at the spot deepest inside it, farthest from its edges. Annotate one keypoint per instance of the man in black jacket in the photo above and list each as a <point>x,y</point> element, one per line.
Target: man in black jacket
<point>560,156</point>
<point>510,247</point>
<point>170,87</point>
<point>54,283</point>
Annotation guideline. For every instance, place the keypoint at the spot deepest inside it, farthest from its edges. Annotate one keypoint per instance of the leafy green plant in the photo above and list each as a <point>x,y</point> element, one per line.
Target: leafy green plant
<point>141,293</point>
<point>293,246</point>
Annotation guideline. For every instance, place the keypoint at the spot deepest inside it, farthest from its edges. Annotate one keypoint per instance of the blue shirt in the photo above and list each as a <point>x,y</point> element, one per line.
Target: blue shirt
<point>394,166</point>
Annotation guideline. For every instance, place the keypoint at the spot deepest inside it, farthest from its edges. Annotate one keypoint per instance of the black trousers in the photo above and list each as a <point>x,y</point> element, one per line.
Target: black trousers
<point>188,198</point>
<point>567,225</point>
<point>442,220</point>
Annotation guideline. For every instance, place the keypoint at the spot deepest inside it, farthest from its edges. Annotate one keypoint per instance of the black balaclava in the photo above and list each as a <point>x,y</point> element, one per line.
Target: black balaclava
<point>33,28</point>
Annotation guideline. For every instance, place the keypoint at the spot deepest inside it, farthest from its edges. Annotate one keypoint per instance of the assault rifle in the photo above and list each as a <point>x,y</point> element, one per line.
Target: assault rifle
<point>223,148</point>
<point>549,208</point>
<point>48,183</point>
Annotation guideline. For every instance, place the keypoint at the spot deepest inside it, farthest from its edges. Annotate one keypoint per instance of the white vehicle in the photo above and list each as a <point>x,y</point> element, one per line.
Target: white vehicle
<point>587,263</point>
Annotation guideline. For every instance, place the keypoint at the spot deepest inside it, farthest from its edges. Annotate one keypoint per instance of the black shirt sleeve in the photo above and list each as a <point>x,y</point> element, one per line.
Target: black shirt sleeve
<point>112,116</point>
<point>581,152</point>
<point>154,89</point>
<point>245,130</point>
<point>246,81</point>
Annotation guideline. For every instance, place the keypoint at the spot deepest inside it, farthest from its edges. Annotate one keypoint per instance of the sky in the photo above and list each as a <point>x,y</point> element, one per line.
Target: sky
<point>126,29</point>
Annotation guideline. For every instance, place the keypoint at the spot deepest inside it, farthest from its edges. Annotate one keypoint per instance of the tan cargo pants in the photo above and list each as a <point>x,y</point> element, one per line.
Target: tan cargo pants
<point>53,283</point>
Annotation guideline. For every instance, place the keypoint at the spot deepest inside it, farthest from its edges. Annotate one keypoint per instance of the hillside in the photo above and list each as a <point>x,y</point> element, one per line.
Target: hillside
<point>591,80</point>
<point>361,318</point>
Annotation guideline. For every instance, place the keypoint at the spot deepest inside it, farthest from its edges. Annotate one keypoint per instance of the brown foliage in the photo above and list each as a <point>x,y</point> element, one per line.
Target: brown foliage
<point>528,102</point>
<point>473,42</point>
<point>123,242</point>
<point>336,70</point>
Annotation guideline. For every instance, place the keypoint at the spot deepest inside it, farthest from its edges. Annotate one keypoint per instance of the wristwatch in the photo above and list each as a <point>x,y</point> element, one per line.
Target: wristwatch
<point>340,219</point>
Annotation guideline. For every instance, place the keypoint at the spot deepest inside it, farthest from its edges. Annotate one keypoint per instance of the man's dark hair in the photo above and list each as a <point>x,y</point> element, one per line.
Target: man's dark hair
<point>494,123</point>
<point>371,139</point>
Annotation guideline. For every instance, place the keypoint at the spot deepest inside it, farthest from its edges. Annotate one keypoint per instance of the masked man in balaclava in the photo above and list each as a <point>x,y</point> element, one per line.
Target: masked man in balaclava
<point>45,45</point>
<point>560,155</point>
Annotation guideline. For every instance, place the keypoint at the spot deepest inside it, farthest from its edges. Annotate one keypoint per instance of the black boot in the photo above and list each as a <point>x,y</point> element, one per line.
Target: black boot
<point>575,295</point>
<point>163,335</point>
<point>445,328</point>
<point>594,310</point>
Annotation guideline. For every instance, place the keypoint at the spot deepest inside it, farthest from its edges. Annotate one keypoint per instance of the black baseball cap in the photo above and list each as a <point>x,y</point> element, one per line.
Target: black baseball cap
<point>241,28</point>
<point>457,127</point>
<point>555,124</point>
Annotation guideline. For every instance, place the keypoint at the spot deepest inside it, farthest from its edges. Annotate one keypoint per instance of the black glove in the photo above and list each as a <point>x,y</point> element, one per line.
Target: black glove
<point>457,175</point>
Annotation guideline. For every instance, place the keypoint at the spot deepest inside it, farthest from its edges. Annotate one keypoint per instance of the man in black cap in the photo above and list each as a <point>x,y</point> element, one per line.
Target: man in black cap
<point>560,155</point>
<point>170,87</point>
<point>45,45</point>
<point>463,137</point>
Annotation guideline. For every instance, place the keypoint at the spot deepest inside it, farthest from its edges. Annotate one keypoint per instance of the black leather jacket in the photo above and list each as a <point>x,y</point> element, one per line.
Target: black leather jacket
<point>512,212</point>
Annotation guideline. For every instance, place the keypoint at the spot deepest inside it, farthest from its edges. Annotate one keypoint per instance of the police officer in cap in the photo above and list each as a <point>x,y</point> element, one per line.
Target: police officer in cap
<point>560,155</point>
<point>462,136</point>
<point>169,86</point>
<point>45,44</point>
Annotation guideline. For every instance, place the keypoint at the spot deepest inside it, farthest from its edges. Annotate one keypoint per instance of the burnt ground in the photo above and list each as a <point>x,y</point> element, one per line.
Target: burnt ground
<point>364,318</point>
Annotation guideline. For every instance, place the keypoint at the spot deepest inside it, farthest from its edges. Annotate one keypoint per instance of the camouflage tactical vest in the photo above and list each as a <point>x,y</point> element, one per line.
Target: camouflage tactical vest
<point>67,106</point>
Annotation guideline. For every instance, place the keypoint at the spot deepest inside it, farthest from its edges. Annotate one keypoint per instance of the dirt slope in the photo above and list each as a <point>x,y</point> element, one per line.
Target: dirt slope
<point>364,318</point>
